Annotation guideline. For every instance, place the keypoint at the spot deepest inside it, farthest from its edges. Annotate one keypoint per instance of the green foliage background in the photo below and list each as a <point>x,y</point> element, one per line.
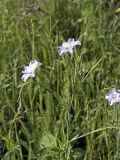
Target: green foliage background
<point>61,114</point>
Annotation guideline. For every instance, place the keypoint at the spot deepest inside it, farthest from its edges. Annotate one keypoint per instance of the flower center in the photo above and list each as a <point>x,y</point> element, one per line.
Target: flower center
<point>114,96</point>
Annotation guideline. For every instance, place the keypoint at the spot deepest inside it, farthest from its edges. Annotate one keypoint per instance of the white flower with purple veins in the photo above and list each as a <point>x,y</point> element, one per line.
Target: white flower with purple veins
<point>68,46</point>
<point>113,96</point>
<point>29,71</point>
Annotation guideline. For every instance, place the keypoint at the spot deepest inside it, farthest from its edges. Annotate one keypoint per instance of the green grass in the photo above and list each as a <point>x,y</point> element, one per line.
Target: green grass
<point>61,114</point>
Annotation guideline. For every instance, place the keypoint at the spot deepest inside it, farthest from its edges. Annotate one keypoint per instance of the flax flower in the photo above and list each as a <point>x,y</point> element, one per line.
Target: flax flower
<point>113,96</point>
<point>29,71</point>
<point>68,46</point>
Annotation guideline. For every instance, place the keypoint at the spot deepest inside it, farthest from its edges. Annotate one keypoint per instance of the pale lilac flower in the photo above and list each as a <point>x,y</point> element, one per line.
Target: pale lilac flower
<point>113,96</point>
<point>29,71</point>
<point>68,46</point>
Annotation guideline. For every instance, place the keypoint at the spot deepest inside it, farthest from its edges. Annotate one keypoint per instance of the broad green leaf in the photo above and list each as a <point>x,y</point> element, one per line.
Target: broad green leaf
<point>48,141</point>
<point>117,10</point>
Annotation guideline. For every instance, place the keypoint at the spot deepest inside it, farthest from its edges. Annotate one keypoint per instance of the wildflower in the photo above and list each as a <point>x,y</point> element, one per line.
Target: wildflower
<point>29,71</point>
<point>68,46</point>
<point>113,96</point>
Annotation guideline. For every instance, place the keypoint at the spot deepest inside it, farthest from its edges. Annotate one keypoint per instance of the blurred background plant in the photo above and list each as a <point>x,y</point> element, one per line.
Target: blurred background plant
<point>61,113</point>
